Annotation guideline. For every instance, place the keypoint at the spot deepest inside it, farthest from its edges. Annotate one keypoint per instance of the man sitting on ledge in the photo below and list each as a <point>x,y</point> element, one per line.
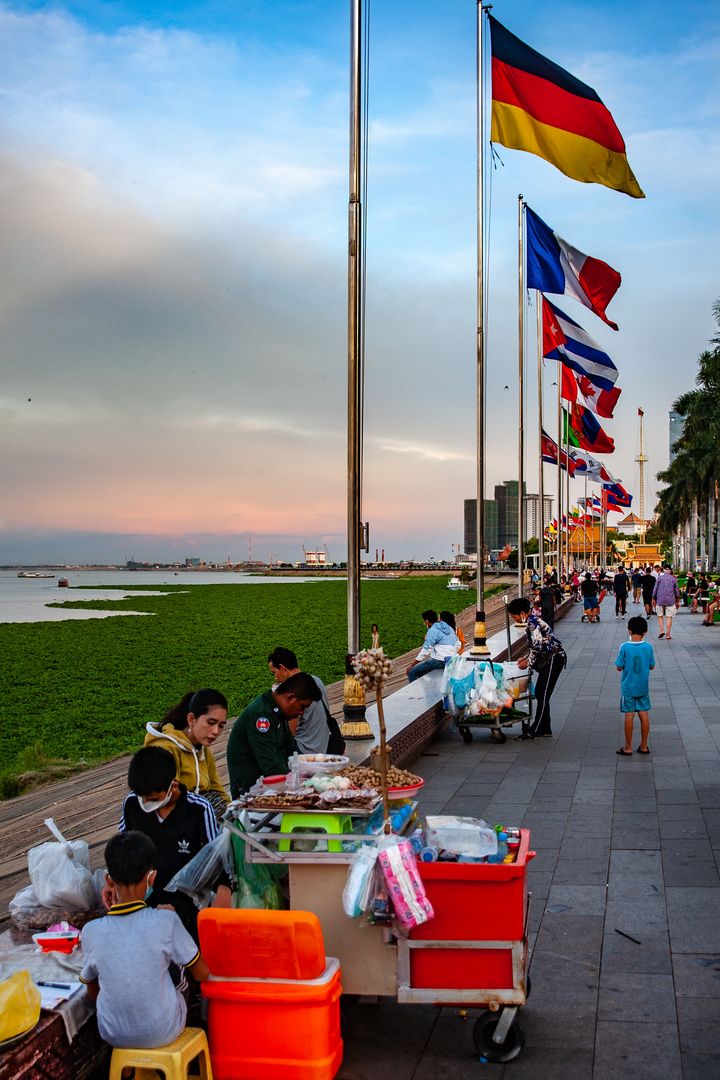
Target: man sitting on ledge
<point>440,642</point>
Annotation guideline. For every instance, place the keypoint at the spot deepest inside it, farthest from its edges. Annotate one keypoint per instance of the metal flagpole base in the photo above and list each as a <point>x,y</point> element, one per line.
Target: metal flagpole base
<point>354,725</point>
<point>479,650</point>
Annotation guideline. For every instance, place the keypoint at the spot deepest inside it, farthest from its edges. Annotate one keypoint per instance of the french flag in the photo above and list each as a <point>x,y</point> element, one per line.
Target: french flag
<point>566,341</point>
<point>554,266</point>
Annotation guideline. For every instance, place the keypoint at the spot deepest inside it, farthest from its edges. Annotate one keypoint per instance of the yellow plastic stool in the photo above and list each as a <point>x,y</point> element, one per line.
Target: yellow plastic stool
<point>327,823</point>
<point>173,1060</point>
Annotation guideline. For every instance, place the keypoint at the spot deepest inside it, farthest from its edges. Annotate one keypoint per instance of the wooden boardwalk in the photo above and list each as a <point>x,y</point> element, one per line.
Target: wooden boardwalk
<point>87,806</point>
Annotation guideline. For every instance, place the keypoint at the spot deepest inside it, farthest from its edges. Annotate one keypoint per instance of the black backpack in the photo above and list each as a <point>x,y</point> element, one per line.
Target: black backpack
<point>336,743</point>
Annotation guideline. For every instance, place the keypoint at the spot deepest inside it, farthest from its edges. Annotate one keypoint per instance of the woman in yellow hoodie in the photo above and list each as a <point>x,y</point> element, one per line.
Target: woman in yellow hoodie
<point>188,731</point>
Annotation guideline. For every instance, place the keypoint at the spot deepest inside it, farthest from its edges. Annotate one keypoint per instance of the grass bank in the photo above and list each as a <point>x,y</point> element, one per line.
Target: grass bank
<point>79,692</point>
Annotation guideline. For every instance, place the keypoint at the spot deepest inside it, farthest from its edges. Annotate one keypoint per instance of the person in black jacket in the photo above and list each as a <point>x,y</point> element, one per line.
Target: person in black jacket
<point>620,587</point>
<point>178,822</point>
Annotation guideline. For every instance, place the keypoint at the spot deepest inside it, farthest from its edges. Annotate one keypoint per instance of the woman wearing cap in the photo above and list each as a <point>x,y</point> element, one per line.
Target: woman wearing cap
<point>188,731</point>
<point>546,657</point>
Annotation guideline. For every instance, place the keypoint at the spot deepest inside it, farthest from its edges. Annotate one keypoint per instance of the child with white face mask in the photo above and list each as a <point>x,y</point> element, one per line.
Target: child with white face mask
<point>178,822</point>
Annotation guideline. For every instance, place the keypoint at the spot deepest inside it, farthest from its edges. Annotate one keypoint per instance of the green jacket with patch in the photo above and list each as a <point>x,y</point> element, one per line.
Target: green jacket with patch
<point>260,744</point>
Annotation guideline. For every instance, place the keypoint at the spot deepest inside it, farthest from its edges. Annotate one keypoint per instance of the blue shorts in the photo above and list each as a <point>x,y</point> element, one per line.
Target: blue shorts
<point>590,603</point>
<point>634,704</point>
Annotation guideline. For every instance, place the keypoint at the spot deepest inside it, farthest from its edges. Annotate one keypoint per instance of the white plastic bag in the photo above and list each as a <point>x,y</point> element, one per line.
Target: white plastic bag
<point>199,876</point>
<point>472,837</point>
<point>60,872</point>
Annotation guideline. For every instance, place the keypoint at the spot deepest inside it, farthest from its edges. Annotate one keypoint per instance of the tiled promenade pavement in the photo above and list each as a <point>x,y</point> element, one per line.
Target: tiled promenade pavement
<point>622,843</point>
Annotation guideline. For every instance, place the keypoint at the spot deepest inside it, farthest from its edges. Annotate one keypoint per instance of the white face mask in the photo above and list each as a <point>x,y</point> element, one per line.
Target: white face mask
<point>150,807</point>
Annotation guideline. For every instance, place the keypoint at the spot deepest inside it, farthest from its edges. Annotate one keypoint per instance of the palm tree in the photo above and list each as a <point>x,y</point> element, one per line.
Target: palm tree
<point>693,475</point>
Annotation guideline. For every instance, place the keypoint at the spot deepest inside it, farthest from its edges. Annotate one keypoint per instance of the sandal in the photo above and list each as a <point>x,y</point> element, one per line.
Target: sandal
<point>642,751</point>
<point>622,753</point>
<point>661,635</point>
<point>524,738</point>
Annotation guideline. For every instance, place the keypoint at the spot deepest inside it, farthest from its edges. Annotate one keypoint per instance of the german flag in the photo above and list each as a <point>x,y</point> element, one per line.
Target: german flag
<point>543,109</point>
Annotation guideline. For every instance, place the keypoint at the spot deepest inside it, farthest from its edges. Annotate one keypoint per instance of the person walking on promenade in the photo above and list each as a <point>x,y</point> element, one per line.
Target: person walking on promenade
<point>666,595</point>
<point>620,587</point>
<point>648,587</point>
<point>547,657</point>
<point>635,661</point>
<point>591,604</point>
<point>637,580</point>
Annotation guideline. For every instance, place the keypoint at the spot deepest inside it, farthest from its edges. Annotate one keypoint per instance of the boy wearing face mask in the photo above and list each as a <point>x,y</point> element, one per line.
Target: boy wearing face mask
<point>129,954</point>
<point>178,822</point>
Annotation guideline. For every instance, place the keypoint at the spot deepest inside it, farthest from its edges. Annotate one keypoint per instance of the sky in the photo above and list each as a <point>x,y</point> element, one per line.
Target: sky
<point>173,266</point>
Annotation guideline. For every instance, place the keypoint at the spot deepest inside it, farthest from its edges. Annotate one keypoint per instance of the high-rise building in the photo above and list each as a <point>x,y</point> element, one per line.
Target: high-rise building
<point>531,515</point>
<point>677,427</point>
<point>491,525</point>
<point>506,497</point>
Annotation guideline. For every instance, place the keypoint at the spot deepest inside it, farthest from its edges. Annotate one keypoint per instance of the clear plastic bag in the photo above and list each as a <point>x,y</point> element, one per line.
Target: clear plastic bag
<point>461,835</point>
<point>198,878</point>
<point>60,872</point>
<point>356,894</point>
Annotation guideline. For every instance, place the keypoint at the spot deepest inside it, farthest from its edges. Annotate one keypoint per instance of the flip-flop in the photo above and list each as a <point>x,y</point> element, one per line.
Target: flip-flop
<point>623,754</point>
<point>669,638</point>
<point>661,635</point>
<point>642,751</point>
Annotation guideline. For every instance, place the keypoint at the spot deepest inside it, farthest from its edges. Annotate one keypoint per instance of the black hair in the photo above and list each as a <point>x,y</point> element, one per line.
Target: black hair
<point>283,658</point>
<point>519,606</point>
<point>302,685</point>
<point>129,857</point>
<point>197,703</point>
<point>449,618</point>
<point>152,769</point>
<point>430,616</point>
<point>588,576</point>
<point>637,625</point>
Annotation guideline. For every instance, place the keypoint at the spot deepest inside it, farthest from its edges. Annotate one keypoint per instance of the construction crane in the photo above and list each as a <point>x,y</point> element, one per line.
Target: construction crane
<point>273,555</point>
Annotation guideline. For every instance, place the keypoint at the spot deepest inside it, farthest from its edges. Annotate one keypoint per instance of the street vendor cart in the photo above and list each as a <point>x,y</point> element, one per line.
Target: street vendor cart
<point>472,954</point>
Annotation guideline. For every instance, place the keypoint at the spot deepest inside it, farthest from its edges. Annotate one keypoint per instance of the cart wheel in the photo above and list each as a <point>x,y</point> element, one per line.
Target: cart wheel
<point>498,735</point>
<point>466,734</point>
<point>483,1039</point>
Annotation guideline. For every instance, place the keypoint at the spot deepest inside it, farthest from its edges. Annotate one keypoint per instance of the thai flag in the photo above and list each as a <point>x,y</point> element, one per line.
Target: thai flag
<point>555,266</point>
<point>566,341</point>
<point>550,454</point>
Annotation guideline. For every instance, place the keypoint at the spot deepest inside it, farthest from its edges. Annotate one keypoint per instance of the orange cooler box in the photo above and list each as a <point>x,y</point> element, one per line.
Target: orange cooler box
<point>273,996</point>
<point>478,902</point>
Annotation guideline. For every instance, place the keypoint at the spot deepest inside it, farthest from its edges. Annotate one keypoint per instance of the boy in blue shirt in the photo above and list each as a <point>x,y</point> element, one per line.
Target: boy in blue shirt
<point>635,660</point>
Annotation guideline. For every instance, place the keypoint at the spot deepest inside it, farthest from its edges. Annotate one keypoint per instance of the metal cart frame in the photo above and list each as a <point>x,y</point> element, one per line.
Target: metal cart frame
<point>376,961</point>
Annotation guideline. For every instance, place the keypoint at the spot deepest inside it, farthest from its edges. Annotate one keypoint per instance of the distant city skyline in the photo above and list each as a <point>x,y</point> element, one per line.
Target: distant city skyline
<point>174,258</point>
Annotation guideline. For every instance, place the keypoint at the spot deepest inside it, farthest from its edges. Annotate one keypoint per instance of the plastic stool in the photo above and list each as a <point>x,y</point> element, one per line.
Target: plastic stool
<point>173,1060</point>
<point>327,823</point>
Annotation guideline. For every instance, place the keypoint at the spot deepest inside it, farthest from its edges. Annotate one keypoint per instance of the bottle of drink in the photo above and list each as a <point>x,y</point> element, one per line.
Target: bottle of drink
<point>429,854</point>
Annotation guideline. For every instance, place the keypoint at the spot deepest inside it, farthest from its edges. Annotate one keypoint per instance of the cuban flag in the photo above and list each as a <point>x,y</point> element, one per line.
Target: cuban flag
<point>566,341</point>
<point>554,266</point>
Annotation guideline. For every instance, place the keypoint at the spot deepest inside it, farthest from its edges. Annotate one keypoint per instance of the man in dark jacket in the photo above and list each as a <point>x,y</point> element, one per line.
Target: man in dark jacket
<point>620,586</point>
<point>263,736</point>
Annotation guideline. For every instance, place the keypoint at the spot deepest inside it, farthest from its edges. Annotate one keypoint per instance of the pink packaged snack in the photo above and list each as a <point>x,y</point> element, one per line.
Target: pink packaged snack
<point>405,886</point>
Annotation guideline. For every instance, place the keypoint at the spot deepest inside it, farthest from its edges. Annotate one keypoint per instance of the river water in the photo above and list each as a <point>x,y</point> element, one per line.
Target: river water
<point>25,599</point>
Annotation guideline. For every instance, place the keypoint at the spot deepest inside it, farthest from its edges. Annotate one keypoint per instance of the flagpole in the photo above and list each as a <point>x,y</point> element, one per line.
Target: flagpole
<point>558,556</point>
<point>585,530</point>
<point>479,648</point>
<point>541,547</point>
<point>567,498</point>
<point>521,391</point>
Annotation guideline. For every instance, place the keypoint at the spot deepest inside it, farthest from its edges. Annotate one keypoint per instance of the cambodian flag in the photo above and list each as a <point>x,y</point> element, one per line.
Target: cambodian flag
<point>555,266</point>
<point>566,341</point>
